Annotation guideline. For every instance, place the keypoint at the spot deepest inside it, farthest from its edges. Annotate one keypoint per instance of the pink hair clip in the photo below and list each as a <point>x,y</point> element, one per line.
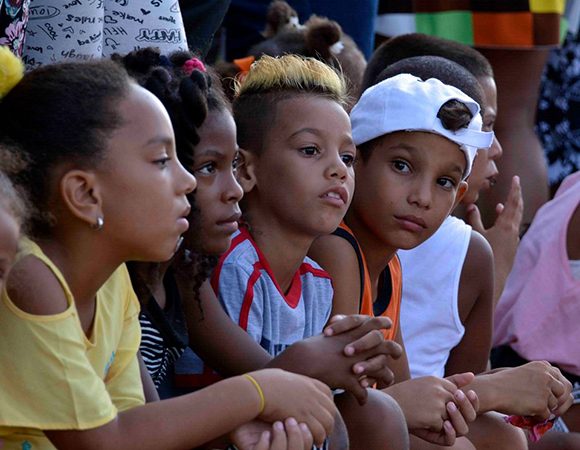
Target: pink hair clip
<point>193,64</point>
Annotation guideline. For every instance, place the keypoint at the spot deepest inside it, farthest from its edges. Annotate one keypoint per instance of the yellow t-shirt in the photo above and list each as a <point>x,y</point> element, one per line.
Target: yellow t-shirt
<point>52,377</point>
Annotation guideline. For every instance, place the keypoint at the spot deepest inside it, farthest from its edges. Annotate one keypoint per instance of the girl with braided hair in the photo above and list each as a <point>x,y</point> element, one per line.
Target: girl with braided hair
<point>206,145</point>
<point>105,186</point>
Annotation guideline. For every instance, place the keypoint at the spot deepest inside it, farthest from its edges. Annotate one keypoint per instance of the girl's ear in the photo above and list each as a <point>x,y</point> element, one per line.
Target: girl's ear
<point>247,170</point>
<point>461,191</point>
<point>81,195</point>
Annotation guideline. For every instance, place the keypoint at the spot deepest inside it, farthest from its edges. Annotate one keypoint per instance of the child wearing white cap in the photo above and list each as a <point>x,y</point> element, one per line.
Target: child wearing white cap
<point>416,141</point>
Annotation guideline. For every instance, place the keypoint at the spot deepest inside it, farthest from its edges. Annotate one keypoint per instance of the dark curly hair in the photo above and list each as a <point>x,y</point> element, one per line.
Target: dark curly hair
<point>57,113</point>
<point>188,97</point>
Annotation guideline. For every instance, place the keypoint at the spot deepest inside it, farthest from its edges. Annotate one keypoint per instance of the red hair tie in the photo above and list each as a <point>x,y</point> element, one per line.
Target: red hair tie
<point>193,64</point>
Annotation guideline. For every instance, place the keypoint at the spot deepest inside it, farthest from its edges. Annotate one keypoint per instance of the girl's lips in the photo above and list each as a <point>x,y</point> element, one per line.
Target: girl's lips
<point>233,218</point>
<point>230,225</point>
<point>183,223</point>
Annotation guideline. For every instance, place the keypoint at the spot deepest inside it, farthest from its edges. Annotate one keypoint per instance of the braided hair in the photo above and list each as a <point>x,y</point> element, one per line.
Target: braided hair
<point>189,92</point>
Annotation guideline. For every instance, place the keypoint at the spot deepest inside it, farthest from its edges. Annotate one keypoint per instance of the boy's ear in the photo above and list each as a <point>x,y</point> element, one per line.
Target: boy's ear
<point>247,170</point>
<point>461,191</point>
<point>81,195</point>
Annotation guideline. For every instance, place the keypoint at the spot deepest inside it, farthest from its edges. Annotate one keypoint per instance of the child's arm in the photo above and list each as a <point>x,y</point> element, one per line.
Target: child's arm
<point>39,303</point>
<point>193,419</point>
<point>475,305</point>
<point>151,394</point>
<point>339,259</point>
<point>218,340</point>
<point>426,418</point>
<point>236,352</point>
<point>534,389</point>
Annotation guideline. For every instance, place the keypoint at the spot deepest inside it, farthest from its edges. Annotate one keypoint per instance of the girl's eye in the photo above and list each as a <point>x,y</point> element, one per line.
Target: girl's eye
<point>446,183</point>
<point>162,162</point>
<point>207,169</point>
<point>310,151</point>
<point>401,166</point>
<point>347,159</point>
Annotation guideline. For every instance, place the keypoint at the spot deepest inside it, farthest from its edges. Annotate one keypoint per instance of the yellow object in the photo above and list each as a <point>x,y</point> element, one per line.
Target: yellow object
<point>11,70</point>
<point>53,376</point>
<point>547,6</point>
<point>260,392</point>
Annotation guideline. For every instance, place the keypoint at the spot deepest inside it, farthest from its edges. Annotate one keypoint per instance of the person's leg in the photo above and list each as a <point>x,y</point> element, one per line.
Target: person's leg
<point>460,444</point>
<point>517,75</point>
<point>572,416</point>
<point>491,432</point>
<point>557,440</point>
<point>379,424</point>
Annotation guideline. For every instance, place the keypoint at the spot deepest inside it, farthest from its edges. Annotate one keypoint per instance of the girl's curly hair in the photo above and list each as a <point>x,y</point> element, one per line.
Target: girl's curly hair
<point>188,95</point>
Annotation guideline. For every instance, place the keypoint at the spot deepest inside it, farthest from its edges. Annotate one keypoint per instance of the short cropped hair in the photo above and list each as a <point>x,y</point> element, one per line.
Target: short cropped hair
<point>416,44</point>
<point>272,80</point>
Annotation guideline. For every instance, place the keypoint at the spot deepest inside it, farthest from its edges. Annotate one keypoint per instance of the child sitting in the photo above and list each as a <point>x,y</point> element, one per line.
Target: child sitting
<point>298,179</point>
<point>413,172</point>
<point>106,185</point>
<point>537,315</point>
<point>503,235</point>
<point>177,296</point>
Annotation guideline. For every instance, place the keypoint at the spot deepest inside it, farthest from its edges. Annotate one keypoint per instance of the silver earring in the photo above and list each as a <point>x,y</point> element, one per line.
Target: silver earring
<point>99,224</point>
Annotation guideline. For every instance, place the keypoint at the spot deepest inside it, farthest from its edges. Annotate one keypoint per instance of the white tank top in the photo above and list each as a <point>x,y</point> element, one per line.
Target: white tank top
<point>430,320</point>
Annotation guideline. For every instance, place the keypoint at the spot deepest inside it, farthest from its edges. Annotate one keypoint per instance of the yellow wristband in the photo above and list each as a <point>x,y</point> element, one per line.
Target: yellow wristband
<point>260,392</point>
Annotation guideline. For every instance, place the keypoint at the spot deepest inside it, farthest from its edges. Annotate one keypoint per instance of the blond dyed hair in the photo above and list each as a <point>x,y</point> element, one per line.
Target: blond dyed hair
<point>274,79</point>
<point>292,73</point>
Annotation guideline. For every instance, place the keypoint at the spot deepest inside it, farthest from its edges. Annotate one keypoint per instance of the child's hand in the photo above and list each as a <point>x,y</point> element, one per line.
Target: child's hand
<point>435,408</point>
<point>367,342</point>
<point>535,389</point>
<point>258,435</point>
<point>307,400</point>
<point>503,236</point>
<point>350,360</point>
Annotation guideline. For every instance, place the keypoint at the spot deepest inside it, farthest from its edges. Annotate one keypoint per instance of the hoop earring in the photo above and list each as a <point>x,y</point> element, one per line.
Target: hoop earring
<point>99,224</point>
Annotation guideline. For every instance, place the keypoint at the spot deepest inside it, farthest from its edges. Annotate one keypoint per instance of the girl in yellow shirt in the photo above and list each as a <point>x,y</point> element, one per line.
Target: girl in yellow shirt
<point>106,186</point>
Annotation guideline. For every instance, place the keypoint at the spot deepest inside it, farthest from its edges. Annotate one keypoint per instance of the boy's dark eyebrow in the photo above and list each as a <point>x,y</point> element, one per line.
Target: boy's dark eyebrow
<point>456,168</point>
<point>411,149</point>
<point>315,132</point>
<point>404,146</point>
<point>306,130</point>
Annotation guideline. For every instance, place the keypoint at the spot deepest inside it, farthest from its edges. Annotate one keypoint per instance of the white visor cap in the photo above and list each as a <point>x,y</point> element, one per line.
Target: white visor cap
<point>407,103</point>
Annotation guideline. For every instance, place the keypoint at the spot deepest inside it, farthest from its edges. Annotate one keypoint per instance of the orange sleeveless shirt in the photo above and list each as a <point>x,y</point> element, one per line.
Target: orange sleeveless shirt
<point>366,301</point>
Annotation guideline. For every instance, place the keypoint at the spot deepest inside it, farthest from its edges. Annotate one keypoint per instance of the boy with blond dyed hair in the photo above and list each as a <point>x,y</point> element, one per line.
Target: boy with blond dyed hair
<point>298,179</point>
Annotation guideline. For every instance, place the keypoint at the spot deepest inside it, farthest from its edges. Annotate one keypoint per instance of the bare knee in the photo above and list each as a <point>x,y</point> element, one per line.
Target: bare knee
<point>379,423</point>
<point>490,431</point>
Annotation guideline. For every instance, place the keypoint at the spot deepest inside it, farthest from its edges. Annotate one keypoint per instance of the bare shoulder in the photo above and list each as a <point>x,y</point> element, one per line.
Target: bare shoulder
<point>337,256</point>
<point>479,254</point>
<point>334,253</point>
<point>477,275</point>
<point>35,289</point>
